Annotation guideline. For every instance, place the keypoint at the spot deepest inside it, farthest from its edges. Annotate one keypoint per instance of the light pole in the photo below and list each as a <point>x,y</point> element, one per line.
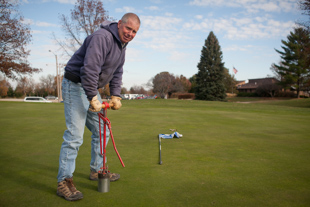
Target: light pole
<point>57,79</point>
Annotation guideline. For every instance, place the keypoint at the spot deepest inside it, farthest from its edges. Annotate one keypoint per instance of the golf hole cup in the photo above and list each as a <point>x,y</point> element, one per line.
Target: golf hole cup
<point>103,183</point>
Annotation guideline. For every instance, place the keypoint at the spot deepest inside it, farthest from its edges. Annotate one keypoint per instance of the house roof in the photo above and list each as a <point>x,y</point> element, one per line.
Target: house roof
<point>254,83</point>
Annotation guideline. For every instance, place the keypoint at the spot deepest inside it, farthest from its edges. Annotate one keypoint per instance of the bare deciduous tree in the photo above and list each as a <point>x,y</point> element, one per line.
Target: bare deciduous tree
<point>137,90</point>
<point>163,83</point>
<point>186,84</point>
<point>85,19</point>
<point>4,86</point>
<point>124,90</point>
<point>24,86</point>
<point>275,71</point>
<point>48,83</point>
<point>304,5</point>
<point>270,89</point>
<point>229,82</point>
<point>13,41</point>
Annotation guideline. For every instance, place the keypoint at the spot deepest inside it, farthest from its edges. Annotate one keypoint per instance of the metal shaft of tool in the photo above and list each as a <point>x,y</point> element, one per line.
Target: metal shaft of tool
<point>103,175</point>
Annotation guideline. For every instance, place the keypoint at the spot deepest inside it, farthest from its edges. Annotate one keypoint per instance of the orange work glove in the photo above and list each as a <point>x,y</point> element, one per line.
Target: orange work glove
<point>116,102</point>
<point>95,105</point>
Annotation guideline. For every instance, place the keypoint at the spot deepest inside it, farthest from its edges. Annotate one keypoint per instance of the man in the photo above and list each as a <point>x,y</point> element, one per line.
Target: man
<point>97,62</point>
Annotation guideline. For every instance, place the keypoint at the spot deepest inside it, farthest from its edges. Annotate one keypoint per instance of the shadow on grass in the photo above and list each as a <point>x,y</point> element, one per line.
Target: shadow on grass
<point>32,175</point>
<point>84,181</point>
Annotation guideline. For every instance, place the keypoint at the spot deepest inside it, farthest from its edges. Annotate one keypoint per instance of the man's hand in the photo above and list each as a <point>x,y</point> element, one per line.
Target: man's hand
<point>95,105</point>
<point>116,102</point>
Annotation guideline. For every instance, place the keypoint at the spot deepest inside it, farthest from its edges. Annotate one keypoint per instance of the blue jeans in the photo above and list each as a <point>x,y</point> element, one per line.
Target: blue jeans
<point>77,116</point>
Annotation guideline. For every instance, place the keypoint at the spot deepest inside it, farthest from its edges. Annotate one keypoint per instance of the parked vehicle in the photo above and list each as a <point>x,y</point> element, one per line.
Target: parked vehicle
<point>124,97</point>
<point>151,97</point>
<point>51,98</point>
<point>36,99</point>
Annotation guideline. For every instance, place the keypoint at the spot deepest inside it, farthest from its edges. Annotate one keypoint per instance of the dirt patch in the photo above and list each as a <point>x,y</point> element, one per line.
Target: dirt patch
<point>11,99</point>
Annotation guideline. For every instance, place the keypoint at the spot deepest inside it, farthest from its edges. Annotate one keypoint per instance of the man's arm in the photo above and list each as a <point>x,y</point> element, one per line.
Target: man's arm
<point>95,56</point>
<point>116,82</point>
<point>116,87</point>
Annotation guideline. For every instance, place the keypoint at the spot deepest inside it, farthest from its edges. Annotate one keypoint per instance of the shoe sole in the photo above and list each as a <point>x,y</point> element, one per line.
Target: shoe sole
<point>71,199</point>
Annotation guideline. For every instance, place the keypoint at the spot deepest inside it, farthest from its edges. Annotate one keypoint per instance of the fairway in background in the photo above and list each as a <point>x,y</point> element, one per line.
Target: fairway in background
<point>231,154</point>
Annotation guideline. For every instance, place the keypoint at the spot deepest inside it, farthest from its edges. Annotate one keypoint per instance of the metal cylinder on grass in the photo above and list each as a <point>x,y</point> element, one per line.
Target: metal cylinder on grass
<point>103,183</point>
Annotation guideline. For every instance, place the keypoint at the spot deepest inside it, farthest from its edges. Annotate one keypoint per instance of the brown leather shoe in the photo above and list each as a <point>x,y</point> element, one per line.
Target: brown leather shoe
<point>113,176</point>
<point>67,190</point>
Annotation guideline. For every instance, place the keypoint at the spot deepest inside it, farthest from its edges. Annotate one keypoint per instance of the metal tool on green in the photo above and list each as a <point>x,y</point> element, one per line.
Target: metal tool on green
<point>175,134</point>
<point>103,174</point>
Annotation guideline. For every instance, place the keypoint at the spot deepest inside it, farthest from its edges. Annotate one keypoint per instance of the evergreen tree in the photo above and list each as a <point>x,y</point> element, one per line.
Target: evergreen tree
<point>209,79</point>
<point>294,67</point>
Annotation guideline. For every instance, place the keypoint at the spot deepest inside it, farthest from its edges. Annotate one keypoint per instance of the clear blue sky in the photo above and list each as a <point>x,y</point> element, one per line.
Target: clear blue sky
<point>173,32</point>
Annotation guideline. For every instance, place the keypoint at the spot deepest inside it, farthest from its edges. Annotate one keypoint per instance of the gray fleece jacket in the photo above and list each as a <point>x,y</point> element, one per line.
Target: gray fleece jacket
<point>100,61</point>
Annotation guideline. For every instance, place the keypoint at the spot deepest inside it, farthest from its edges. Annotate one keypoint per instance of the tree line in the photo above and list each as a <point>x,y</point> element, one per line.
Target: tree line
<point>28,87</point>
<point>162,84</point>
<point>211,82</point>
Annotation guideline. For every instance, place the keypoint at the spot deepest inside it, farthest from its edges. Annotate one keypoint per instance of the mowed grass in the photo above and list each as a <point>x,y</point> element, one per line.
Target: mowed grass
<point>231,154</point>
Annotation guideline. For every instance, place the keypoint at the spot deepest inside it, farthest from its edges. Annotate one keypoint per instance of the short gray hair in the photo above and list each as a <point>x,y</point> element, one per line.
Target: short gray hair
<point>130,16</point>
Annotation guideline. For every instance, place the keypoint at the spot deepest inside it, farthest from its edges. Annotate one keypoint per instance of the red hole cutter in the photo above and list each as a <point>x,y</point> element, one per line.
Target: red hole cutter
<point>103,174</point>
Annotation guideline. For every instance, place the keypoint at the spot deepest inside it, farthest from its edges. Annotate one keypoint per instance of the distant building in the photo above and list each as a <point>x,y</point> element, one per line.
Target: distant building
<point>253,84</point>
<point>240,83</point>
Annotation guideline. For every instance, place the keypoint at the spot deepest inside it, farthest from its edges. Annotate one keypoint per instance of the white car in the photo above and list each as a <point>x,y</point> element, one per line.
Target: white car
<point>51,98</point>
<point>36,99</point>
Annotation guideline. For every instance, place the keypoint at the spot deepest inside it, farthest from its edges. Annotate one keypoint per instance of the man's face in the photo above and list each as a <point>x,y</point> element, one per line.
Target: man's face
<point>127,31</point>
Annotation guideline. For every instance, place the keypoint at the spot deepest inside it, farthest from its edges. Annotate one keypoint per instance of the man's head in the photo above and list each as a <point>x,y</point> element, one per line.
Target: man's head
<point>128,27</point>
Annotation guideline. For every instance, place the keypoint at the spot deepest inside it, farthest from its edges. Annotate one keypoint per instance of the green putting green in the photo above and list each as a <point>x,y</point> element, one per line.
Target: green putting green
<point>231,154</point>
